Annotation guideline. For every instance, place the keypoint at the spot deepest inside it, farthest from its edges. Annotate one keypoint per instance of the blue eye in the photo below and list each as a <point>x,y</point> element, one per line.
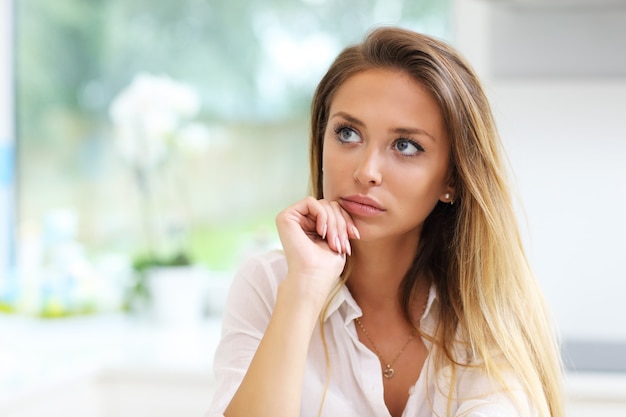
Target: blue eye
<point>346,134</point>
<point>408,147</point>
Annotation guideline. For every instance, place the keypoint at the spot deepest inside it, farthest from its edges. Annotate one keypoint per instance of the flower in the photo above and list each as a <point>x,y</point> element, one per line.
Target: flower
<point>148,114</point>
<point>153,118</point>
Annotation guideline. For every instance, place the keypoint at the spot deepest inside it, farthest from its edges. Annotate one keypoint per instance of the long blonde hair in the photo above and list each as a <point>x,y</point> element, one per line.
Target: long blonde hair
<point>472,250</point>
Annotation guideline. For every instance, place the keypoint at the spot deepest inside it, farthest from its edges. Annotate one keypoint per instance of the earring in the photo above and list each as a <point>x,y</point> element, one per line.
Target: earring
<point>448,196</point>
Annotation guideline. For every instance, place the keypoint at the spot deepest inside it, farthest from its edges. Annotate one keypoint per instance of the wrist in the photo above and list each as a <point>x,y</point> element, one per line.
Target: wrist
<point>302,301</point>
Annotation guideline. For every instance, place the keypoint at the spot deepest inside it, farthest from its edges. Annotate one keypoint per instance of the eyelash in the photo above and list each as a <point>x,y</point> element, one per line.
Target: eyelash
<point>420,148</point>
<point>342,126</point>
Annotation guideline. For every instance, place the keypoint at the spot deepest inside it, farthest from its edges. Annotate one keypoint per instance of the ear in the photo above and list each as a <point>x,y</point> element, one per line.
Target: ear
<point>448,196</point>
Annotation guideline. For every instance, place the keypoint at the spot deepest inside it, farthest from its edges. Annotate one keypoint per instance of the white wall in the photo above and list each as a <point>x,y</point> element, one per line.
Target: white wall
<point>567,144</point>
<point>558,41</point>
<point>566,140</point>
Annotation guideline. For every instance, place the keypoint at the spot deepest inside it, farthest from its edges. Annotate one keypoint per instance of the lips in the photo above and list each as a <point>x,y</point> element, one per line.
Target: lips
<point>361,205</point>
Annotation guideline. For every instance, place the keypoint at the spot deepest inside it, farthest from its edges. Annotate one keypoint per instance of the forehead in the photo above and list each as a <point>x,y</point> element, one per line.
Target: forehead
<point>390,96</point>
<point>384,83</point>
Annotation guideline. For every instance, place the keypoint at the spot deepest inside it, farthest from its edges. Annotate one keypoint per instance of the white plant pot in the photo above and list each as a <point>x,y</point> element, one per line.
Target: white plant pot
<point>178,294</point>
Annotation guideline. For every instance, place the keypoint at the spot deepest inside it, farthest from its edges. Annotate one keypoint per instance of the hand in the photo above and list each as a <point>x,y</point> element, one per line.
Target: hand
<point>315,236</point>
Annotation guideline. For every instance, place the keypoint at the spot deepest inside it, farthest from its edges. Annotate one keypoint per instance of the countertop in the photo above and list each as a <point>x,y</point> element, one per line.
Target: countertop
<point>38,356</point>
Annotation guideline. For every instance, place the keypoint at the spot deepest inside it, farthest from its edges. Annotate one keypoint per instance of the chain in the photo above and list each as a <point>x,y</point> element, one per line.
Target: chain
<point>388,372</point>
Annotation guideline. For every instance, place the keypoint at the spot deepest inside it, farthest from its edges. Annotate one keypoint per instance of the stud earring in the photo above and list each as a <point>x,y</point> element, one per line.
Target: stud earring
<point>448,197</point>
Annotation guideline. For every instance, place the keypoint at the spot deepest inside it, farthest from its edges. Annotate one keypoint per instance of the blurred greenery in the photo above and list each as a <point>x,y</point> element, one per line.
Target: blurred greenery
<point>223,246</point>
<point>55,309</point>
<point>73,56</point>
<point>6,308</point>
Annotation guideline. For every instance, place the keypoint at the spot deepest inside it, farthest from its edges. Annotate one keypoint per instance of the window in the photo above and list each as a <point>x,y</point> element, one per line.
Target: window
<point>7,157</point>
<point>90,202</point>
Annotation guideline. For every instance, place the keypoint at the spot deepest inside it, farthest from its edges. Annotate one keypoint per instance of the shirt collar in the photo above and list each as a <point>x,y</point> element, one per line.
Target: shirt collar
<point>344,303</point>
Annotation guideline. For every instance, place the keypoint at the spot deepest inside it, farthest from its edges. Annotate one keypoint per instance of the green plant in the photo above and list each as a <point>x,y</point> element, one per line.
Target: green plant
<point>138,293</point>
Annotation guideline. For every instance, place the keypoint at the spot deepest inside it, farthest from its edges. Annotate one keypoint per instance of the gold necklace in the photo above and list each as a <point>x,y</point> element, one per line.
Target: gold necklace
<point>388,371</point>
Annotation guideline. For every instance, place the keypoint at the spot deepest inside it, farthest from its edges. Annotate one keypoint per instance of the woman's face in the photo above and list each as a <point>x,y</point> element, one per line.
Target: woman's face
<point>386,153</point>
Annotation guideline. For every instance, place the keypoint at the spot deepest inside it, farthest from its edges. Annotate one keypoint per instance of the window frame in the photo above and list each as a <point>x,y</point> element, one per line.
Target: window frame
<point>7,151</point>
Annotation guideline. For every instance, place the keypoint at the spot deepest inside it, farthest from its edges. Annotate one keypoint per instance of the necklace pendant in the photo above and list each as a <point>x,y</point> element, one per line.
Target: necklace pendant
<point>389,372</point>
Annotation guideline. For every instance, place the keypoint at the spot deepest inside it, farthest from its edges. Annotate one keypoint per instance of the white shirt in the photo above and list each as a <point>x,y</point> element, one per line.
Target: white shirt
<point>356,387</point>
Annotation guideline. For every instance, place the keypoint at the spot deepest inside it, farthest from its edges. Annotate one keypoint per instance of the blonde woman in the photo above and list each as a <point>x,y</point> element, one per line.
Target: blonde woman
<point>403,288</point>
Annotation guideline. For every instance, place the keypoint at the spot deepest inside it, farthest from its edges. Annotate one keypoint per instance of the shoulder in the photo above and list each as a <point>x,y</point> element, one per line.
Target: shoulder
<point>472,391</point>
<point>257,279</point>
<point>271,266</point>
<point>486,395</point>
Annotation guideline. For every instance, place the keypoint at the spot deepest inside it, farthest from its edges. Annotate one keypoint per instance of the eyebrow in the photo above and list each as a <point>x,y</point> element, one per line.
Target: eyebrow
<point>398,130</point>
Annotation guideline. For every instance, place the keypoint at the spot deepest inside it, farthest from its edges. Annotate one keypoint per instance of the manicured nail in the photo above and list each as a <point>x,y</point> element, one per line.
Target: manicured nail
<point>324,228</point>
<point>346,243</point>
<point>338,244</point>
<point>356,232</point>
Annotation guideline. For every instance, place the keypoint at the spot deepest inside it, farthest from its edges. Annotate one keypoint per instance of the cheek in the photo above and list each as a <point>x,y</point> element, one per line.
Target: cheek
<point>416,207</point>
<point>327,173</point>
<point>329,176</point>
<point>334,170</point>
<point>425,191</point>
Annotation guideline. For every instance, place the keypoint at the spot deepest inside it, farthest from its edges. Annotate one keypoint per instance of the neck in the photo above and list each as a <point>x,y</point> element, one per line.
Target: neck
<point>378,269</point>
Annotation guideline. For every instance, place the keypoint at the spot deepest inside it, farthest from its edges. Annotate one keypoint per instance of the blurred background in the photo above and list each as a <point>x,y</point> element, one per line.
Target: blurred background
<point>164,132</point>
<point>146,147</point>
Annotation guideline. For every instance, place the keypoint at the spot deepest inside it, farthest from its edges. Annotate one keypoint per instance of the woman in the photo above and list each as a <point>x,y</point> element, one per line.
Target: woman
<point>403,288</point>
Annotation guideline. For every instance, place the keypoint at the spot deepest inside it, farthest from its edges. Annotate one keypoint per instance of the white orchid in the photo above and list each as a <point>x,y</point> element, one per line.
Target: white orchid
<point>153,124</point>
<point>147,116</point>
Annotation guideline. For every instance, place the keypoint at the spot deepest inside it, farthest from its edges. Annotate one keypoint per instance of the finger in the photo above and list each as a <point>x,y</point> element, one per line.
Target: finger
<point>341,228</point>
<point>353,231</point>
<point>332,235</point>
<point>309,215</point>
<point>318,214</point>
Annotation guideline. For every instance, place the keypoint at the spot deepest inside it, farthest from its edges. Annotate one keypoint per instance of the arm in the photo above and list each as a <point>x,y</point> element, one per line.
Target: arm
<point>272,385</point>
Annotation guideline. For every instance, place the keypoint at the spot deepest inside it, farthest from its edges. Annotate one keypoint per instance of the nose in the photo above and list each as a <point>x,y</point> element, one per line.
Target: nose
<point>368,168</point>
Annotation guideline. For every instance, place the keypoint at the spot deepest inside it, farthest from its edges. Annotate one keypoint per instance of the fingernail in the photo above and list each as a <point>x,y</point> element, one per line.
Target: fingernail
<point>356,232</point>
<point>346,243</point>
<point>324,228</point>
<point>338,244</point>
